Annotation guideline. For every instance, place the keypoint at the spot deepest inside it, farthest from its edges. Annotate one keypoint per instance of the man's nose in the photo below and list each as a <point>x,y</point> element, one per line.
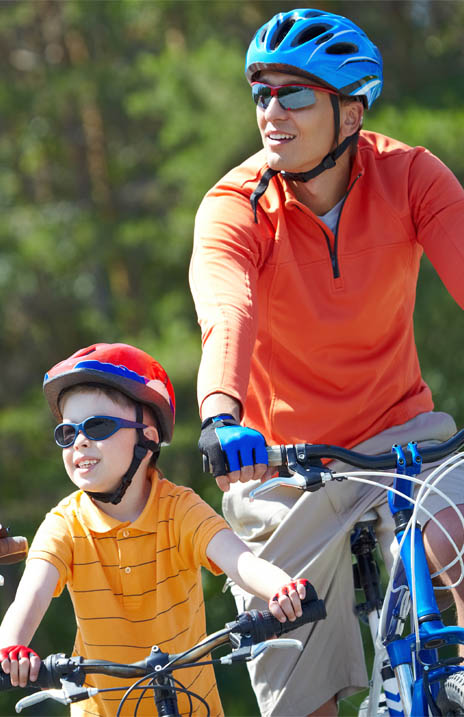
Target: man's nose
<point>274,110</point>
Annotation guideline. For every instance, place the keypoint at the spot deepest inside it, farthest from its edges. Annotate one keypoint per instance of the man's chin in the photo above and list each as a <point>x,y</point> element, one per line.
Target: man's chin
<point>276,163</point>
<point>280,165</point>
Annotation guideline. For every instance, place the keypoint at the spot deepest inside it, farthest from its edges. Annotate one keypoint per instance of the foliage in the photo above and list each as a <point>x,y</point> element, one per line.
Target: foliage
<point>116,117</point>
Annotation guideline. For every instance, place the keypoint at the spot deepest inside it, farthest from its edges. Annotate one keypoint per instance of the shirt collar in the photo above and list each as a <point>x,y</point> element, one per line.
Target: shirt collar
<point>99,522</point>
<point>357,168</point>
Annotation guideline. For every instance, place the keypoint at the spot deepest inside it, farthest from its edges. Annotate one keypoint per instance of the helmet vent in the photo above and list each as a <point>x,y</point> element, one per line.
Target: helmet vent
<point>324,38</point>
<point>309,33</point>
<point>342,48</point>
<point>281,33</point>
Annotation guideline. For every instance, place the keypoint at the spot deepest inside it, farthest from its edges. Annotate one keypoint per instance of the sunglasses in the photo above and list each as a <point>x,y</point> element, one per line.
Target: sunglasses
<point>289,97</point>
<point>96,428</point>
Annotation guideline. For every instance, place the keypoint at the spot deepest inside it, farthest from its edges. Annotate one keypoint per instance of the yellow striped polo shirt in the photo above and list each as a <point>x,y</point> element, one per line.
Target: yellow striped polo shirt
<point>134,585</point>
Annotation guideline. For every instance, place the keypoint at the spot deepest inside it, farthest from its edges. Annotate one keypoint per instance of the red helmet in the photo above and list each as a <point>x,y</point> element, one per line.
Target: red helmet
<point>124,367</point>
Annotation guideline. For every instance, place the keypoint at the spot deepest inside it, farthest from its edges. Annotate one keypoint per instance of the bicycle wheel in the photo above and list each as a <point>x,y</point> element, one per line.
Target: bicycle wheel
<point>382,709</point>
<point>450,699</point>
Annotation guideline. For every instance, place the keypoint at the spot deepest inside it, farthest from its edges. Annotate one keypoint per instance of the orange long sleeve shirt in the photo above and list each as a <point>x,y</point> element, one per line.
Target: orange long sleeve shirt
<point>313,331</point>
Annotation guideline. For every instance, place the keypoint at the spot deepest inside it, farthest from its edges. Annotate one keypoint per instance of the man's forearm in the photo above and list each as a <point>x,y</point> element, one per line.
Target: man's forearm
<point>217,403</point>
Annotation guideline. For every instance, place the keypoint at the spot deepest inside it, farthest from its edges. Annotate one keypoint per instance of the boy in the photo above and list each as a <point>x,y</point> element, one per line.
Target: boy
<point>129,549</point>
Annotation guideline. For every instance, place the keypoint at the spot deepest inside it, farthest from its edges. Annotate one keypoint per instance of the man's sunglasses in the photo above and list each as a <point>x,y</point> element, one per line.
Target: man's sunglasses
<point>290,97</point>
<point>96,428</point>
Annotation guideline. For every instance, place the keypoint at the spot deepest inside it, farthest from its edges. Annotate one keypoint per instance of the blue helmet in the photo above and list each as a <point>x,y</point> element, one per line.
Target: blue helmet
<point>322,46</point>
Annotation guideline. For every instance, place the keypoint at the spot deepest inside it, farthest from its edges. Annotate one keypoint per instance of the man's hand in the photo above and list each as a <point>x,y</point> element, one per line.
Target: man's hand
<point>21,663</point>
<point>286,604</point>
<point>235,452</point>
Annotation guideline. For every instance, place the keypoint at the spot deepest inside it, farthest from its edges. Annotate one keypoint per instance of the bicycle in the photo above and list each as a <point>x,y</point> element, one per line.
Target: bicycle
<point>62,678</point>
<point>407,671</point>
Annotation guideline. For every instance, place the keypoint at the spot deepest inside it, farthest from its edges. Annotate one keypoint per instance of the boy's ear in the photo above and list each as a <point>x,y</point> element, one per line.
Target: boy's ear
<point>151,433</point>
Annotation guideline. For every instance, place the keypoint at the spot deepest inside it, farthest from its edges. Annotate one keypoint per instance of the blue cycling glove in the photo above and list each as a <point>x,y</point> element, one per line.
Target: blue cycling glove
<point>228,446</point>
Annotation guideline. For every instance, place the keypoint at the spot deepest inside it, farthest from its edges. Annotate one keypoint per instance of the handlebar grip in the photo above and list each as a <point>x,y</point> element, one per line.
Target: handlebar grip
<point>13,549</point>
<point>262,625</point>
<point>47,678</point>
<point>5,683</point>
<point>312,612</point>
<point>274,455</point>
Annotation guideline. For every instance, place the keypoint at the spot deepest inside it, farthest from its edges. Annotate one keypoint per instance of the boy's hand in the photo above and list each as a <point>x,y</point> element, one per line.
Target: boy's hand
<point>286,604</point>
<point>21,663</point>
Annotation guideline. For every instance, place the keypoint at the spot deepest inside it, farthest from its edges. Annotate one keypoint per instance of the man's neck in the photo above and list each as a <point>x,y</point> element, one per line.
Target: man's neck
<point>322,193</point>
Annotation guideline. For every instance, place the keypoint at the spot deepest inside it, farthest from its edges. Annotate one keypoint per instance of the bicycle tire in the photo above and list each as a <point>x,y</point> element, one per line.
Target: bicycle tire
<point>382,709</point>
<point>450,699</point>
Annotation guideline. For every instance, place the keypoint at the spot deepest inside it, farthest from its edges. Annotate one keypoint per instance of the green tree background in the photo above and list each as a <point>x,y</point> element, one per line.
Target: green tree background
<point>116,117</point>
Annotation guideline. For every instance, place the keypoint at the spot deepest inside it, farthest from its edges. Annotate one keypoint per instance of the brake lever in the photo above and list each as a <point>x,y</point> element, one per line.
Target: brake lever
<point>308,474</point>
<point>278,642</point>
<point>41,696</point>
<point>250,652</point>
<point>70,692</point>
<point>294,481</point>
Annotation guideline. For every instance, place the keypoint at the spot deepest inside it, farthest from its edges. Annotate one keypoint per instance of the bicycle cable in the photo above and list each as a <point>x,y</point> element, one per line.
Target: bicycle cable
<point>356,476</point>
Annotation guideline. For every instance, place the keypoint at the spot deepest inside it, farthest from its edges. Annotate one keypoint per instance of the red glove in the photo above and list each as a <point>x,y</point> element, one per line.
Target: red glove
<point>294,585</point>
<point>286,604</point>
<point>16,652</point>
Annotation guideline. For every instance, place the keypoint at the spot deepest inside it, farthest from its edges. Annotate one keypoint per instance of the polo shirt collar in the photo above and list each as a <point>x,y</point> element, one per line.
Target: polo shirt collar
<point>99,522</point>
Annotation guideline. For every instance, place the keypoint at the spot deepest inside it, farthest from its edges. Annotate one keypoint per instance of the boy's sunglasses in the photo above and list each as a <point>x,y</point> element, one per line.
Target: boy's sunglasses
<point>96,428</point>
<point>289,97</point>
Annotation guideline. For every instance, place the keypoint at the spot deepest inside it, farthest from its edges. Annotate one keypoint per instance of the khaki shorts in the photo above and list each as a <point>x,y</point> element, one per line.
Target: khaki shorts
<point>308,535</point>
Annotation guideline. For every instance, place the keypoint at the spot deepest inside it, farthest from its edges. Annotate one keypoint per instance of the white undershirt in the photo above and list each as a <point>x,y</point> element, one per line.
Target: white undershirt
<point>331,217</point>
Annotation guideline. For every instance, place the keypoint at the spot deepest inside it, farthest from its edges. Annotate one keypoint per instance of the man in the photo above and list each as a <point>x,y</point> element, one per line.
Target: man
<point>304,274</point>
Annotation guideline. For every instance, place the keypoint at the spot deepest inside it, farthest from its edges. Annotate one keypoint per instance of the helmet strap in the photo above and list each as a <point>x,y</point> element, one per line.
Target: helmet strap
<point>328,162</point>
<point>141,448</point>
<point>260,189</point>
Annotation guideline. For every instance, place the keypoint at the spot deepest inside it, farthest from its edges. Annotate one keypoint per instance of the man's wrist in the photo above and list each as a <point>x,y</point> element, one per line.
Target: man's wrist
<point>220,417</point>
<point>220,403</point>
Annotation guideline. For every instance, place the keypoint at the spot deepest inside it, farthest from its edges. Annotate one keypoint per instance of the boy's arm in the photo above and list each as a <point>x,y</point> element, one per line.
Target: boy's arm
<point>257,576</point>
<point>23,617</point>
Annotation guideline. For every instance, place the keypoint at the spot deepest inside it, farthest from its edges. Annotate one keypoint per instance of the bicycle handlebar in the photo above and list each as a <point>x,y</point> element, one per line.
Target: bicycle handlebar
<point>304,460</point>
<point>278,455</point>
<point>256,625</point>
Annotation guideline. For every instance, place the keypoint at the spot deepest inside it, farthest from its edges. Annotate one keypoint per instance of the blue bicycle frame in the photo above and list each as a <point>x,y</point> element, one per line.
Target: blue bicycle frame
<point>408,668</point>
<point>418,673</point>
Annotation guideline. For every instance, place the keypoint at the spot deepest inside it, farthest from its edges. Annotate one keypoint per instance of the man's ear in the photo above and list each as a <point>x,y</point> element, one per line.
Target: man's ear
<point>351,117</point>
